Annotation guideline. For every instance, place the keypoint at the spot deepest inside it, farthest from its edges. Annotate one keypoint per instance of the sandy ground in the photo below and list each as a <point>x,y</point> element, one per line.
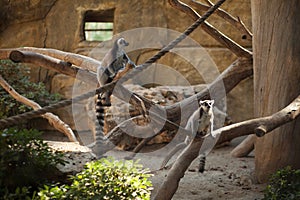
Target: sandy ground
<point>225,177</point>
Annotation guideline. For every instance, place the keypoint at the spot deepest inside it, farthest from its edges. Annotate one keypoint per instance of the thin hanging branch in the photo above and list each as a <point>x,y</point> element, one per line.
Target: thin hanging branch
<point>53,120</point>
<point>235,48</point>
<point>236,22</point>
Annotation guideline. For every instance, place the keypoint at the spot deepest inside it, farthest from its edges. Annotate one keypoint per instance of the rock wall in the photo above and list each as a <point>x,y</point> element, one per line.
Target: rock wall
<point>59,24</point>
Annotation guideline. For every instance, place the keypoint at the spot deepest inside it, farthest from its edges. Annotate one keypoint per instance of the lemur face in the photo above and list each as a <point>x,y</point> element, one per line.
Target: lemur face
<point>206,105</point>
<point>122,43</point>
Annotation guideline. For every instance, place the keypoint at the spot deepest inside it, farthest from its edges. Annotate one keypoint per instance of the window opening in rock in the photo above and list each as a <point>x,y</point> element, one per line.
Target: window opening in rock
<point>98,25</point>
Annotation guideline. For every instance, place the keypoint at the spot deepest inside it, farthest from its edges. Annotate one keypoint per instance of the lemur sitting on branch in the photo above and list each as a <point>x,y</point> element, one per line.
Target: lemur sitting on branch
<point>114,61</point>
<point>199,123</point>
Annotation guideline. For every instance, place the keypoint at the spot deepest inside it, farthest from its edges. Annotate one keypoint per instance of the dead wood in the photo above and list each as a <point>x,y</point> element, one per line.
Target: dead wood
<point>170,185</point>
<point>76,59</point>
<point>244,148</point>
<point>53,120</point>
<point>235,48</point>
<point>52,63</point>
<point>263,125</point>
<point>236,22</point>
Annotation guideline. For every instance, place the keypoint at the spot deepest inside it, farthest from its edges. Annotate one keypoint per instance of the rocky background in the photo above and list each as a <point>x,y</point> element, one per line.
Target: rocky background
<point>59,24</point>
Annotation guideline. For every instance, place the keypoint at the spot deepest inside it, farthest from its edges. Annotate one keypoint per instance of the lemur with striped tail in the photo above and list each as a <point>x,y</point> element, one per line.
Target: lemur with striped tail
<point>201,122</point>
<point>114,61</point>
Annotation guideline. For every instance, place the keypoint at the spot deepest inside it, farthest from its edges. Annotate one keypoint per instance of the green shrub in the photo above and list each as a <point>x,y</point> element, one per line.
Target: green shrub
<point>104,179</point>
<point>26,162</point>
<point>17,75</point>
<point>284,185</point>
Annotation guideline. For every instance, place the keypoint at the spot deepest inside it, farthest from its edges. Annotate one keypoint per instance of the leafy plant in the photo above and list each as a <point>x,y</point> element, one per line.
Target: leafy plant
<point>20,193</point>
<point>284,185</point>
<point>104,179</point>
<point>17,75</point>
<point>25,162</point>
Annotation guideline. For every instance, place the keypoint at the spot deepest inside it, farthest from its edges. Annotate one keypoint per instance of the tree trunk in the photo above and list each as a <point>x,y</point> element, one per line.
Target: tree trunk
<point>276,46</point>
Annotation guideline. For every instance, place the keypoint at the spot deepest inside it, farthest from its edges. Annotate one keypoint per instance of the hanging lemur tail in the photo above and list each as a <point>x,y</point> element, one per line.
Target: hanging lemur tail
<point>99,123</point>
<point>202,159</point>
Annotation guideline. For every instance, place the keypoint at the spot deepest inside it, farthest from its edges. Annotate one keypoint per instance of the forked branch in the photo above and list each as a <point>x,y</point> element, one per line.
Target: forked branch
<point>236,22</point>
<point>235,48</point>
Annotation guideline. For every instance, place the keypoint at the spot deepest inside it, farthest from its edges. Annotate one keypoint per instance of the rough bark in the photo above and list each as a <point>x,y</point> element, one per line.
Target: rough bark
<point>276,46</point>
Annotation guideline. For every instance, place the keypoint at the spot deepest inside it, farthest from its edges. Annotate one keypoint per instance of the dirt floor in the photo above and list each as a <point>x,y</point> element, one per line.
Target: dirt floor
<point>225,177</point>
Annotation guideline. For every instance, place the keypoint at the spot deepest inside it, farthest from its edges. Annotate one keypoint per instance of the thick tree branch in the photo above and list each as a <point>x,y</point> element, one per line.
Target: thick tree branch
<point>53,64</point>
<point>244,148</point>
<point>263,125</point>
<point>171,182</point>
<point>53,120</point>
<point>236,22</point>
<point>233,75</point>
<point>76,59</point>
<point>212,31</point>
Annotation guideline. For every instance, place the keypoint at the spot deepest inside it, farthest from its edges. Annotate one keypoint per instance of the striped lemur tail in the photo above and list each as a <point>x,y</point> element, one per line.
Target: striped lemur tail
<point>114,61</point>
<point>101,103</point>
<point>100,113</point>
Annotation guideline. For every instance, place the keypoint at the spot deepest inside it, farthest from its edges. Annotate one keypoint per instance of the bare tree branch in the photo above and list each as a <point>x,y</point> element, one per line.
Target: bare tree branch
<point>236,22</point>
<point>259,126</point>
<point>76,59</point>
<point>263,125</point>
<point>53,64</point>
<point>53,120</point>
<point>244,148</point>
<point>233,75</point>
<point>171,182</point>
<point>235,48</point>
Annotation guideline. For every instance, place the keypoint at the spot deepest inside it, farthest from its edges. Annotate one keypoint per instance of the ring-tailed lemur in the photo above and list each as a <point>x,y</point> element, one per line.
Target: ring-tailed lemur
<point>114,61</point>
<point>201,123</point>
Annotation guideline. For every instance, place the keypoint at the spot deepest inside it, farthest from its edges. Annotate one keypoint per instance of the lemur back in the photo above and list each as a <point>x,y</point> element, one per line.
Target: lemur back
<point>114,61</point>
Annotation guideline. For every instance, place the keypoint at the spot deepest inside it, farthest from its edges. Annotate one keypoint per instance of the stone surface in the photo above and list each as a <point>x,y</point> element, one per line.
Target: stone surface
<point>75,155</point>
